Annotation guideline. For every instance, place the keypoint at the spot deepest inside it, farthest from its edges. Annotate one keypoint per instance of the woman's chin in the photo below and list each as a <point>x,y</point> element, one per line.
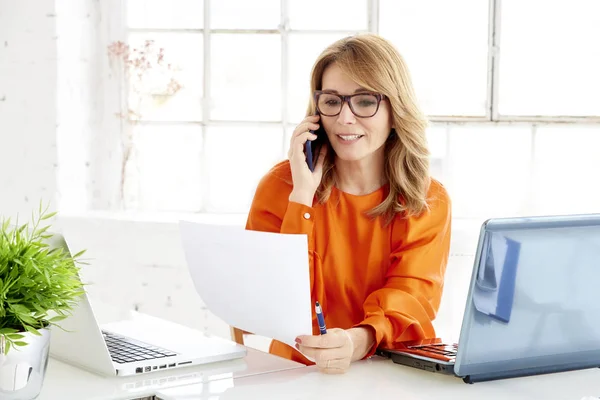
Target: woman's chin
<point>349,156</point>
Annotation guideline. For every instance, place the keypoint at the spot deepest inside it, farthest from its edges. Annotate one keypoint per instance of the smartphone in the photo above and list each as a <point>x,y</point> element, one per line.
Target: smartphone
<point>309,154</point>
<point>312,148</point>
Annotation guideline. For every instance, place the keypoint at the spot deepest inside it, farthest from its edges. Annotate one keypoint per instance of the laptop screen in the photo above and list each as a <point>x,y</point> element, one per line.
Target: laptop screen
<point>534,300</point>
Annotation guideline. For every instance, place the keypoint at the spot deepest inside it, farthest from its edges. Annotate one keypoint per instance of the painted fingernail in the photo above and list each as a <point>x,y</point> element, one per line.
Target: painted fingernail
<point>298,340</point>
<point>297,346</point>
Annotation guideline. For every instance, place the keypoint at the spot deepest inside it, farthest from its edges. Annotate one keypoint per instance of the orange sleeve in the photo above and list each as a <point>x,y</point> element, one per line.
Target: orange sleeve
<point>271,211</point>
<point>403,309</point>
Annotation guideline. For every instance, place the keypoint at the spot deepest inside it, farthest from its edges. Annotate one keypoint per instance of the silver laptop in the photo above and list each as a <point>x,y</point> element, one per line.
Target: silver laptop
<point>532,306</point>
<point>136,344</point>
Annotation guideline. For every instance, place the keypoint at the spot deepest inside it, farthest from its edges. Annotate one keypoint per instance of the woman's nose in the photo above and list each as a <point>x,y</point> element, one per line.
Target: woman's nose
<point>346,116</point>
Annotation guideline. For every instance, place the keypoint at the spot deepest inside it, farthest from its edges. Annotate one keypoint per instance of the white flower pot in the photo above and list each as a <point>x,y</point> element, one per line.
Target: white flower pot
<point>23,369</point>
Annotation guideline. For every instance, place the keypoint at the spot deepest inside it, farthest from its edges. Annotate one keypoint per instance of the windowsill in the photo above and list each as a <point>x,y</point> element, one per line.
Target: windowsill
<point>157,217</point>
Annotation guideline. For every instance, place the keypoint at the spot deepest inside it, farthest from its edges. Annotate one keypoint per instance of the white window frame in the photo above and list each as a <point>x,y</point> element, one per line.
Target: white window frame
<point>492,117</point>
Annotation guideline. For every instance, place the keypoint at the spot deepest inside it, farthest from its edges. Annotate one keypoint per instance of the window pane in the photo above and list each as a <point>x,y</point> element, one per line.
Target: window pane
<point>164,172</point>
<point>566,171</point>
<point>482,183</point>
<point>550,58</point>
<point>289,130</point>
<point>445,44</point>
<point>161,14</point>
<point>243,14</point>
<point>340,15</point>
<point>302,54</point>
<point>246,77</point>
<point>237,158</point>
<point>437,143</point>
<point>167,88</point>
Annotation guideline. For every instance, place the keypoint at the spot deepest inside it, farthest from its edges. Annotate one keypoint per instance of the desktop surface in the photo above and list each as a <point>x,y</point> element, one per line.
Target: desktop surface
<point>66,382</point>
<point>379,378</point>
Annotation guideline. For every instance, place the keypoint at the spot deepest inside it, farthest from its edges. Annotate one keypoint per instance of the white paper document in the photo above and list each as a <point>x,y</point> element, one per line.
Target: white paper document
<point>255,281</point>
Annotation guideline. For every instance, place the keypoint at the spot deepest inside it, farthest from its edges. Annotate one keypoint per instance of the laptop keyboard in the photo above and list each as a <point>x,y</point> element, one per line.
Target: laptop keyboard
<point>448,350</point>
<point>125,350</point>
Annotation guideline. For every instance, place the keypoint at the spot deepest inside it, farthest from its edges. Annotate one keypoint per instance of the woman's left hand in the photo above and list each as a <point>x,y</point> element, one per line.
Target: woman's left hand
<point>334,351</point>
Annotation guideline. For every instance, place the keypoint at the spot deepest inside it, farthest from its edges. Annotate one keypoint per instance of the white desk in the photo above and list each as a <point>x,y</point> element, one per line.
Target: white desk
<point>379,378</point>
<point>66,382</point>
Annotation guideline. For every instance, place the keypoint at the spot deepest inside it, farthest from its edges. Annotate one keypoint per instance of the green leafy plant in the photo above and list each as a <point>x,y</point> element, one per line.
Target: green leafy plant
<point>39,285</point>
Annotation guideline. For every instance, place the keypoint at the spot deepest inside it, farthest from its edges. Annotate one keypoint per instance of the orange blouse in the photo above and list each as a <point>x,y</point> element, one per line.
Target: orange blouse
<point>362,272</point>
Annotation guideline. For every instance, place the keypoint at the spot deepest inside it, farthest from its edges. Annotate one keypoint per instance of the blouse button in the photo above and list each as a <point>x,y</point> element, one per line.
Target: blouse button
<point>306,215</point>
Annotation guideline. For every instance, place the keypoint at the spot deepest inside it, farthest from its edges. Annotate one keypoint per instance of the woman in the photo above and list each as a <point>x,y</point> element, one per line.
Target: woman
<point>378,226</point>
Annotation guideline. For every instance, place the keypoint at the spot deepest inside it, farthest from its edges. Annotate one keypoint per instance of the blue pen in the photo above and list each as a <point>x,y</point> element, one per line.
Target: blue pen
<point>320,318</point>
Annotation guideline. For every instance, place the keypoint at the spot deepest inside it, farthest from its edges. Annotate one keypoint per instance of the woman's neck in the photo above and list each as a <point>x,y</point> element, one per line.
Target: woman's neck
<point>362,176</point>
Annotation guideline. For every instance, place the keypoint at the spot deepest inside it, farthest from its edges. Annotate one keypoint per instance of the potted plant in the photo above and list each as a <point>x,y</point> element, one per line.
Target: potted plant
<point>39,286</point>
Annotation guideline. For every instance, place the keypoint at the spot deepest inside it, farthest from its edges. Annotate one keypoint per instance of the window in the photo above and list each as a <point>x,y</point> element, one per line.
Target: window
<point>224,83</point>
<point>240,14</point>
<point>242,84</point>
<point>168,176</point>
<point>245,85</point>
<point>565,167</point>
<point>149,96</point>
<point>159,14</point>
<point>236,158</point>
<point>445,44</point>
<point>487,172</point>
<point>549,61</point>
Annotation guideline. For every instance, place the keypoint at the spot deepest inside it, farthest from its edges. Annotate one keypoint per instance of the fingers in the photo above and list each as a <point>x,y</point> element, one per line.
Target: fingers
<point>301,134</point>
<point>332,339</point>
<point>308,123</point>
<point>297,145</point>
<point>331,361</point>
<point>312,118</point>
<point>333,366</point>
<point>303,127</point>
<point>320,355</point>
<point>332,352</point>
<point>321,160</point>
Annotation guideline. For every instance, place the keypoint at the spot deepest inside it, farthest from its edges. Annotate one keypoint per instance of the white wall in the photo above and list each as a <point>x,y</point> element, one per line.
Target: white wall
<point>60,136</point>
<point>88,103</point>
<point>28,90</point>
<point>78,81</point>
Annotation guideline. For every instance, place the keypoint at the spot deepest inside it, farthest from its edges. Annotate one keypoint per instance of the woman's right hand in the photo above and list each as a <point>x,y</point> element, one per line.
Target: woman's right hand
<point>305,182</point>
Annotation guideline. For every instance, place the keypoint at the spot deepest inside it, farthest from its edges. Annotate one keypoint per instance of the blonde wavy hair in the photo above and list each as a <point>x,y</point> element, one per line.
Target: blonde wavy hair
<point>375,64</point>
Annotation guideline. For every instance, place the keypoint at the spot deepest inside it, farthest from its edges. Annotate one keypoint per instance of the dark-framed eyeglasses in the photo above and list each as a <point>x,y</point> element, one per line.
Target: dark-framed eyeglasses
<point>363,105</point>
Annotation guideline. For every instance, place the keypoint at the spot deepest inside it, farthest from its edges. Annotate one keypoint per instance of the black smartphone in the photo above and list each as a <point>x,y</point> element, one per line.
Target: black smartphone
<point>312,148</point>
